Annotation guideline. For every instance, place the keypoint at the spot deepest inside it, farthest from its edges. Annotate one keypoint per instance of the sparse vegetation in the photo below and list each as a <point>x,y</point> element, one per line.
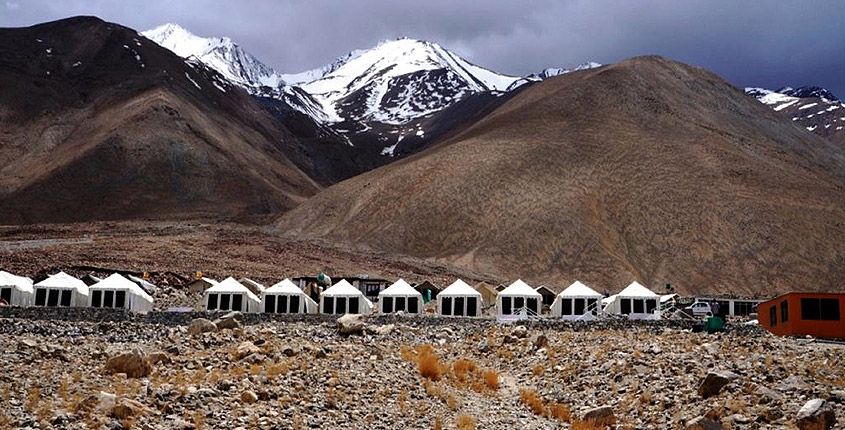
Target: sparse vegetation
<point>465,422</point>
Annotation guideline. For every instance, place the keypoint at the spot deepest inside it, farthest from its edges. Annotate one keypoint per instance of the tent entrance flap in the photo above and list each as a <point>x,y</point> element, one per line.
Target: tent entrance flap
<point>40,297</point>
<point>459,306</point>
<point>282,308</point>
<point>532,305</point>
<point>353,305</point>
<point>400,304</point>
<point>507,309</point>
<point>328,305</point>
<point>212,302</point>
<point>446,305</point>
<point>387,305</point>
<point>6,295</point>
<point>269,306</point>
<point>413,305</point>
<point>294,304</point>
<point>472,306</point>
<point>237,302</point>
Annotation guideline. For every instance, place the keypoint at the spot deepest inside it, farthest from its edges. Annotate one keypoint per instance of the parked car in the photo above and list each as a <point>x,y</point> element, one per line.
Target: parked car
<point>699,309</point>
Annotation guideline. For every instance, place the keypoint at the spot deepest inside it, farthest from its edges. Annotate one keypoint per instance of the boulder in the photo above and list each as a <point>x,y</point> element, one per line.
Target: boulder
<point>245,349</point>
<point>159,357</point>
<point>230,321</point>
<point>541,341</point>
<point>125,408</point>
<point>134,364</point>
<point>249,397</point>
<point>702,423</point>
<point>351,324</point>
<point>601,416</point>
<point>520,331</point>
<point>714,381</point>
<point>816,414</point>
<point>201,325</point>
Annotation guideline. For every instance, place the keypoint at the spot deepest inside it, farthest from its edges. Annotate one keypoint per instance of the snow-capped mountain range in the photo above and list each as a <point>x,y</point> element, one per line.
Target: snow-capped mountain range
<point>393,83</point>
<point>815,108</point>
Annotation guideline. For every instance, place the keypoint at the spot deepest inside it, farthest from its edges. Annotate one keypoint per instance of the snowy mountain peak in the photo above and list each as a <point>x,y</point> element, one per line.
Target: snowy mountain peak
<point>219,53</point>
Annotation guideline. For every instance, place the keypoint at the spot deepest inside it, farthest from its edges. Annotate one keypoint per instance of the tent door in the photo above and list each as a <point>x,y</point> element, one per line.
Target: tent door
<point>507,309</point>
<point>108,299</point>
<point>40,297</point>
<point>353,305</point>
<point>580,305</point>
<point>459,306</point>
<point>6,295</point>
<point>212,302</point>
<point>52,297</point>
<point>66,296</point>
<point>294,304</point>
<point>269,304</point>
<point>626,306</point>
<point>96,299</point>
<point>639,306</point>
<point>237,302</point>
<point>413,305</point>
<point>446,305</point>
<point>532,305</point>
<point>328,305</point>
<point>566,307</point>
<point>282,308</point>
<point>592,306</point>
<point>340,305</point>
<point>120,299</point>
<point>387,305</point>
<point>400,304</point>
<point>224,302</point>
<point>472,306</point>
<point>518,303</point>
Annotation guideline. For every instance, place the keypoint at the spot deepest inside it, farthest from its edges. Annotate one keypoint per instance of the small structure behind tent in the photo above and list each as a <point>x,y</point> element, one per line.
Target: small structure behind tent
<point>804,314</point>
<point>253,286</point>
<point>488,293</point>
<point>635,301</point>
<point>517,297</point>
<point>400,296</point>
<point>199,285</point>
<point>230,295</point>
<point>577,302</point>
<point>16,290</point>
<point>90,279</point>
<point>459,299</point>
<point>145,285</point>
<point>117,292</point>
<point>61,290</point>
<point>343,298</point>
<point>428,289</point>
<point>548,295</point>
<point>286,298</point>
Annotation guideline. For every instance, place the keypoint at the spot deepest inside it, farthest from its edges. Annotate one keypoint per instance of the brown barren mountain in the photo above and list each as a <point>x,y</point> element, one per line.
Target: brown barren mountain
<point>97,122</point>
<point>648,169</point>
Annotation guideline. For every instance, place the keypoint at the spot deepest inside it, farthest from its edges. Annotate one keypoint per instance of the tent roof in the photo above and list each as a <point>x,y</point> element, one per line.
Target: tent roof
<point>143,283</point>
<point>230,285</point>
<point>400,288</point>
<point>577,289</point>
<point>666,297</point>
<point>342,288</point>
<point>459,288</point>
<point>258,286</point>
<point>63,280</point>
<point>636,290</point>
<point>519,288</point>
<point>284,286</point>
<point>118,282</point>
<point>21,283</point>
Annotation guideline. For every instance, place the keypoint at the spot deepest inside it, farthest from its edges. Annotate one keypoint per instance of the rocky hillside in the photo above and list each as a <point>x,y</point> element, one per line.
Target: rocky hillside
<point>815,108</point>
<point>100,123</point>
<point>647,169</point>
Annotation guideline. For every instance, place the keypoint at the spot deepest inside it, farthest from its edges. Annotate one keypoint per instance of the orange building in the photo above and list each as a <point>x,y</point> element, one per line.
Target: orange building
<point>814,314</point>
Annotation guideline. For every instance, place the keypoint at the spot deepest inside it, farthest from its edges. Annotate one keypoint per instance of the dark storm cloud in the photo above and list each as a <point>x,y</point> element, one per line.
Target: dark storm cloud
<point>751,43</point>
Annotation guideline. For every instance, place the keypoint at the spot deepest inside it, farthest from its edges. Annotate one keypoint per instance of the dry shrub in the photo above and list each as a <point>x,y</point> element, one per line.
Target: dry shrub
<point>646,398</point>
<point>407,353</point>
<point>33,398</point>
<point>199,420</point>
<point>491,379</point>
<point>438,423</point>
<point>276,369</point>
<point>255,369</point>
<point>585,425</point>
<point>452,402</point>
<point>538,369</point>
<point>430,366</point>
<point>737,406</point>
<point>560,412</point>
<point>462,368</point>
<point>403,397</point>
<point>533,400</point>
<point>465,422</point>
<point>477,386</point>
<point>504,353</point>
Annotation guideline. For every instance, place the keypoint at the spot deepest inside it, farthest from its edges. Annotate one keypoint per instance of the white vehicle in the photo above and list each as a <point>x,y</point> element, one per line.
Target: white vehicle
<point>699,309</point>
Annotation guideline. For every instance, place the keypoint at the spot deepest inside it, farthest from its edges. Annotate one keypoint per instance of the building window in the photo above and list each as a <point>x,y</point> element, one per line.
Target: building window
<point>820,309</point>
<point>743,308</point>
<point>773,316</point>
<point>784,311</point>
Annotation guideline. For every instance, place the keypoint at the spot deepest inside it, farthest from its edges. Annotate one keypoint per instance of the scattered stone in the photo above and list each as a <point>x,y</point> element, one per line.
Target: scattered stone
<point>173,349</point>
<point>249,397</point>
<point>351,324</point>
<point>245,349</point>
<point>714,382</point>
<point>702,423</point>
<point>134,364</point>
<point>231,321</point>
<point>125,408</point>
<point>541,341</point>
<point>816,414</point>
<point>520,331</point>
<point>483,345</point>
<point>201,325</point>
<point>601,416</point>
<point>159,357</point>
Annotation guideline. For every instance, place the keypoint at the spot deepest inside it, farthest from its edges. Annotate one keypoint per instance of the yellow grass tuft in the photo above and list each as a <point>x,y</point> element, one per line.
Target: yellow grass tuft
<point>465,422</point>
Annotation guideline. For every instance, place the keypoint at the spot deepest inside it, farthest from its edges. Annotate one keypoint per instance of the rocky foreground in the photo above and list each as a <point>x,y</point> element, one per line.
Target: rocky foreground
<point>412,373</point>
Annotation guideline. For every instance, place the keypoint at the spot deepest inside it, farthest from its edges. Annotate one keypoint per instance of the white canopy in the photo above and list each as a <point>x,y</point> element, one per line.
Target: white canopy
<point>577,301</point>
<point>335,299</point>
<point>520,288</point>
<point>400,297</point>
<point>288,289</point>
<point>137,299</point>
<point>516,297</point>
<point>459,299</point>
<point>230,287</point>
<point>635,301</point>
<point>77,290</point>
<point>20,291</point>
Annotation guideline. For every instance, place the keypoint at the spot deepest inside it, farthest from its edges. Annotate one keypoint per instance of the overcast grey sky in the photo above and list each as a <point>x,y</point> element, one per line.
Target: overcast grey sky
<point>767,43</point>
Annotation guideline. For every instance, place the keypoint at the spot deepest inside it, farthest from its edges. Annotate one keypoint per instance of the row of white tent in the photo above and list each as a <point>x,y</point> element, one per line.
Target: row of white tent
<point>577,301</point>
<point>63,290</point>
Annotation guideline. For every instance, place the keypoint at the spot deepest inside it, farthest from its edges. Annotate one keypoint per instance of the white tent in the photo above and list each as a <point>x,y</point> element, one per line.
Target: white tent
<point>16,290</point>
<point>286,298</point>
<point>459,299</point>
<point>119,293</point>
<point>63,290</point>
<point>230,295</point>
<point>635,301</point>
<point>400,297</point>
<point>343,298</point>
<point>516,297</point>
<point>577,301</point>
